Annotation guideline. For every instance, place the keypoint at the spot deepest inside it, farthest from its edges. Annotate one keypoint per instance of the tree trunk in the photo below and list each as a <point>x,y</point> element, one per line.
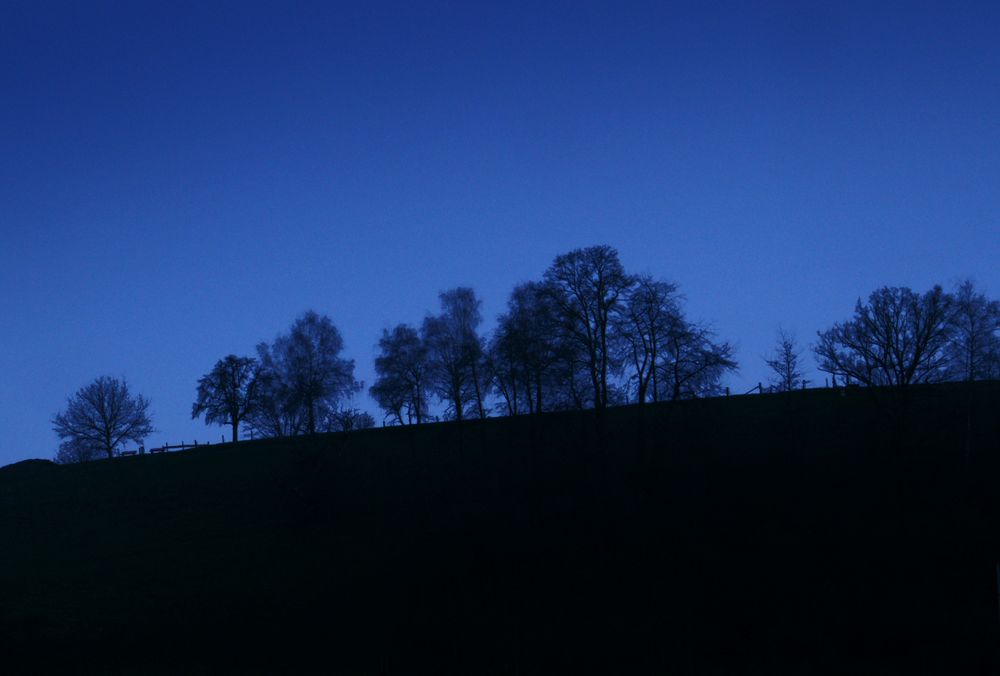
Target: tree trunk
<point>604,367</point>
<point>236,430</point>
<point>311,420</point>
<point>479,394</point>
<point>595,380</point>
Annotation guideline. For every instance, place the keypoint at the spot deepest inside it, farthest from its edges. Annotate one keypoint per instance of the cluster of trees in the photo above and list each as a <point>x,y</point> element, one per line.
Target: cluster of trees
<point>901,337</point>
<point>295,385</point>
<point>586,335</point>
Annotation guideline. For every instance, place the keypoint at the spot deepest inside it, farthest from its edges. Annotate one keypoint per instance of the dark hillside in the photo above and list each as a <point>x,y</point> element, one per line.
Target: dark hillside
<point>810,532</point>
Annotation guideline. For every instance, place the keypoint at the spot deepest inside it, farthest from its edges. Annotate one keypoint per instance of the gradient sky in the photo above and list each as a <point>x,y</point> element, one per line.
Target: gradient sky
<point>179,181</point>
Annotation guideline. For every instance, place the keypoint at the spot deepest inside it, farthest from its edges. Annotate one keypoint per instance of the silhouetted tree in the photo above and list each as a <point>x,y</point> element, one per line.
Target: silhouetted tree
<point>973,353</point>
<point>524,350</point>
<point>402,367</point>
<point>302,377</point>
<point>455,353</point>
<point>692,363</point>
<point>277,413</point>
<point>228,394</point>
<point>103,415</point>
<point>506,373</point>
<point>898,338</point>
<point>586,287</point>
<point>642,326</point>
<point>785,363</point>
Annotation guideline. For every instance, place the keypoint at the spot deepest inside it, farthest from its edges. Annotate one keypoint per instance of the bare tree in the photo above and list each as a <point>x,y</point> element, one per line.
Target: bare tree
<point>692,363</point>
<point>103,415</point>
<point>586,287</point>
<point>507,375</point>
<point>303,377</point>
<point>228,394</point>
<point>462,311</point>
<point>642,326</point>
<point>897,338</point>
<point>402,367</point>
<point>455,353</point>
<point>524,351</point>
<point>973,353</point>
<point>785,363</point>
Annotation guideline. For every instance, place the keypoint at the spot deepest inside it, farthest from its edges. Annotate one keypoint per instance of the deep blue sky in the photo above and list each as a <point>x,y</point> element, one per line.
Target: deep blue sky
<point>179,181</point>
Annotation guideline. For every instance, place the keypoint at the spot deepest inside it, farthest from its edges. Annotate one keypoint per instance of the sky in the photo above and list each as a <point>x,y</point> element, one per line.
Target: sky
<point>179,181</point>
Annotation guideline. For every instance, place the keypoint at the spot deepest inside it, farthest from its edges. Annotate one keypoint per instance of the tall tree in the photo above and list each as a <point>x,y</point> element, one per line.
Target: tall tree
<point>973,353</point>
<point>402,367</point>
<point>524,350</point>
<point>899,337</point>
<point>303,377</point>
<point>104,415</point>
<point>586,287</point>
<point>784,362</point>
<point>643,325</point>
<point>228,394</point>
<point>461,309</point>
<point>507,374</point>
<point>455,353</point>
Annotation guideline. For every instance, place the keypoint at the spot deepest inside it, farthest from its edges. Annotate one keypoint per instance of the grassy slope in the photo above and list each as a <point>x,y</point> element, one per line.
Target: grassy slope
<point>768,533</point>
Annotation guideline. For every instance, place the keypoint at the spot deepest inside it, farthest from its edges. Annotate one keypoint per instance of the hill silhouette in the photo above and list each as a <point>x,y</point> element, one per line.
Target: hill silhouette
<point>821,531</point>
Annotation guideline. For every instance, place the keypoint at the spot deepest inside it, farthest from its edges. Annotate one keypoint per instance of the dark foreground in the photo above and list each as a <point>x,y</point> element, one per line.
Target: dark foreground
<point>802,533</point>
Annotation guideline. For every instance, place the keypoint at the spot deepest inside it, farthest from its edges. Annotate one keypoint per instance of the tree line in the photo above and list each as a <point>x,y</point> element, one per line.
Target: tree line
<point>587,334</point>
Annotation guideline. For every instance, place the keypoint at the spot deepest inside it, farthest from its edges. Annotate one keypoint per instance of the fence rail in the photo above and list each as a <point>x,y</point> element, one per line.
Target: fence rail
<point>167,447</point>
